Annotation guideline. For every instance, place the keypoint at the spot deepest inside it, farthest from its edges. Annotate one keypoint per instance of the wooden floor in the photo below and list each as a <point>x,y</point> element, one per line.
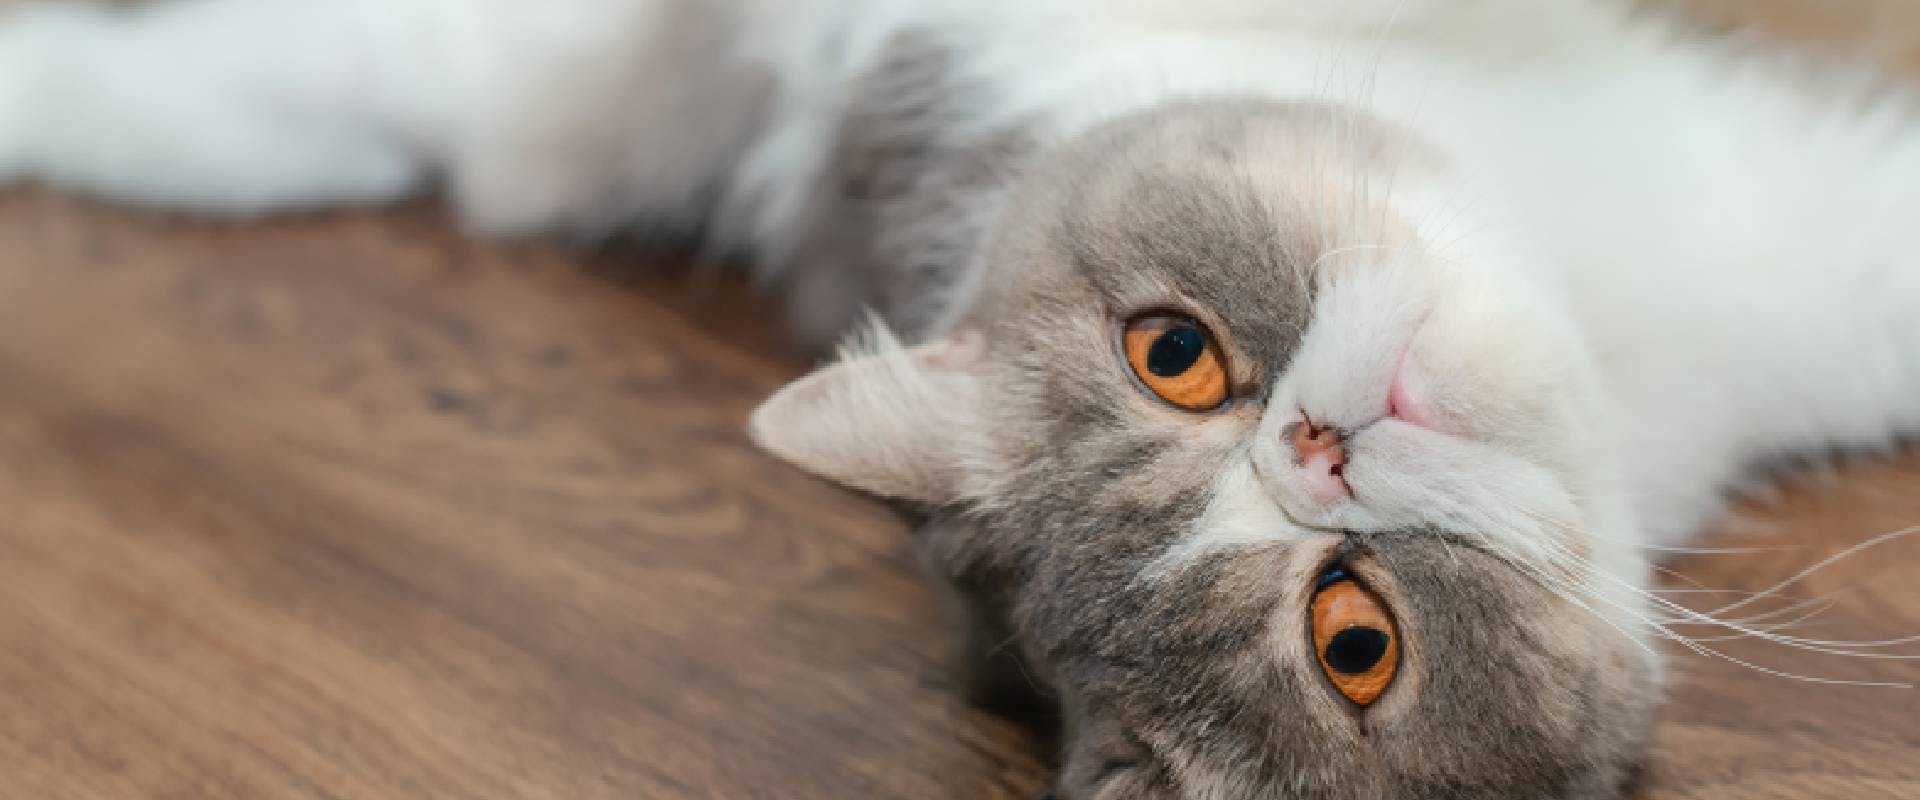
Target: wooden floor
<point>353,507</point>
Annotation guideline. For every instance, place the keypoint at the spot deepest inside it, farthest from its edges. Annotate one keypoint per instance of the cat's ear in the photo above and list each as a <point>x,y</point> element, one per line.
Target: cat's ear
<point>894,421</point>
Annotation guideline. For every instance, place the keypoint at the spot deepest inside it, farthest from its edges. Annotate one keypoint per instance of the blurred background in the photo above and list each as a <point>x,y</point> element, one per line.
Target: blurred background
<point>354,506</point>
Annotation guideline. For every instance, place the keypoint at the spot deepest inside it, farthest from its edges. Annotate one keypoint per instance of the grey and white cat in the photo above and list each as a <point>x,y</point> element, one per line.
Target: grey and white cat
<point>1195,312</point>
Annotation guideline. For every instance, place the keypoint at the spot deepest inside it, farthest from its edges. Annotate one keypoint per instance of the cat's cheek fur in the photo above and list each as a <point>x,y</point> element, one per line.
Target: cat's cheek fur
<point>1240,512</point>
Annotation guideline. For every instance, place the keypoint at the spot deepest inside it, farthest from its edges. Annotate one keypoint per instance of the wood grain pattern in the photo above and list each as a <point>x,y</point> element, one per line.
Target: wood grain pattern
<point>349,507</point>
<point>354,507</point>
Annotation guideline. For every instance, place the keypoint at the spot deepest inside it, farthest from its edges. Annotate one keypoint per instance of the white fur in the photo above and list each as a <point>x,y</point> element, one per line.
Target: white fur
<point>217,104</point>
<point>1649,262</point>
<point>1728,236</point>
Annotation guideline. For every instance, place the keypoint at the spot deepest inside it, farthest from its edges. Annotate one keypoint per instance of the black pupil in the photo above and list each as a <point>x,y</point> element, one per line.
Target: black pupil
<point>1176,351</point>
<point>1355,650</point>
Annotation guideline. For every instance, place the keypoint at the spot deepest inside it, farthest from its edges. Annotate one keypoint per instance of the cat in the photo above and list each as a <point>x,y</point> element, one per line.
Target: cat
<point>1293,392</point>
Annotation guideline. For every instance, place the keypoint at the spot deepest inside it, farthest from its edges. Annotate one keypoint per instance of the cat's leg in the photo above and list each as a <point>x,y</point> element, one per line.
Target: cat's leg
<point>222,105</point>
<point>538,115</point>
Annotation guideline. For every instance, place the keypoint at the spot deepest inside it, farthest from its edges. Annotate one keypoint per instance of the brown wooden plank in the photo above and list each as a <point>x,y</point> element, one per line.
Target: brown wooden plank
<point>347,507</point>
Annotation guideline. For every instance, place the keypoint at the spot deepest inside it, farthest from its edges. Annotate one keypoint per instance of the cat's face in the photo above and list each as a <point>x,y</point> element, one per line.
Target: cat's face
<point>1216,377</point>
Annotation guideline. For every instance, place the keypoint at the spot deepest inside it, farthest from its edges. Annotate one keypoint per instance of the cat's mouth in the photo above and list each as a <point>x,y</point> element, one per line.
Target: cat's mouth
<point>1409,395</point>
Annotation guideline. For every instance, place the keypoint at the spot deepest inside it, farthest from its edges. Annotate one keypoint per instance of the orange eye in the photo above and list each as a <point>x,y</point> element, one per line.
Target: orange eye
<point>1178,360</point>
<point>1354,636</point>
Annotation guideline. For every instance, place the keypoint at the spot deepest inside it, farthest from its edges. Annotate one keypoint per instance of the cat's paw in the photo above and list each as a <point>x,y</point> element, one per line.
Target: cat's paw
<point>37,42</point>
<point>27,36</point>
<point>13,113</point>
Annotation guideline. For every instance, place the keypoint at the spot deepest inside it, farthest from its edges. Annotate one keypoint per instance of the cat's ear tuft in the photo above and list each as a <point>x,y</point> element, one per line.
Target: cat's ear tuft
<point>895,421</point>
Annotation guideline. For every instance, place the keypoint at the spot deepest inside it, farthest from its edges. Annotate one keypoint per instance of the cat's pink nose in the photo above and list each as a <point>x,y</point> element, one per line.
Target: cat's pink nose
<point>1322,454</point>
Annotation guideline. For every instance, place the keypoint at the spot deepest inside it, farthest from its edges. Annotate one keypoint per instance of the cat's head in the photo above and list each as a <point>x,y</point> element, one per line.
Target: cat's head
<point>1281,481</point>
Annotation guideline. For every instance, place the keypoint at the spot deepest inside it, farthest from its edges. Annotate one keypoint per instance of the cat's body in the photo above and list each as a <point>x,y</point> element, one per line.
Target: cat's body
<point>1552,277</point>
